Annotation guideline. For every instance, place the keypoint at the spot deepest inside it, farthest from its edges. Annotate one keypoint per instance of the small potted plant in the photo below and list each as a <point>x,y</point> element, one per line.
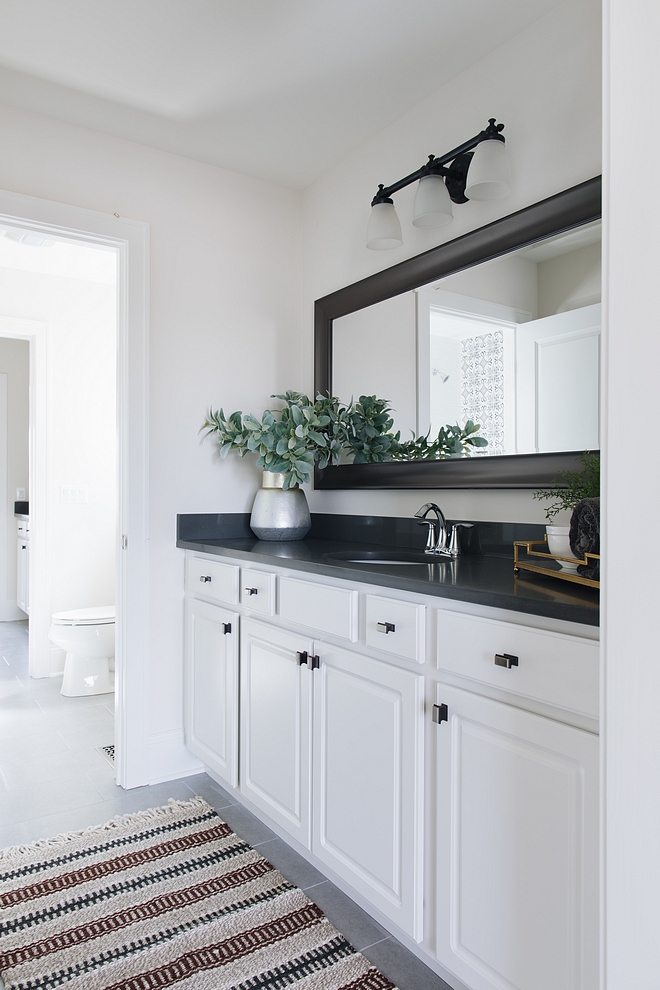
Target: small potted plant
<point>288,443</point>
<point>570,489</point>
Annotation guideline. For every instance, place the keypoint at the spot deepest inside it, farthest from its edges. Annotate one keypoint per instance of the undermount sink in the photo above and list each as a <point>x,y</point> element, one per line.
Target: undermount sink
<point>385,556</point>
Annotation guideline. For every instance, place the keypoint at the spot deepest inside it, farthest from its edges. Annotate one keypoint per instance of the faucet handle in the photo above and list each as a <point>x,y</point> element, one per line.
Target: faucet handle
<point>430,539</point>
<point>454,544</point>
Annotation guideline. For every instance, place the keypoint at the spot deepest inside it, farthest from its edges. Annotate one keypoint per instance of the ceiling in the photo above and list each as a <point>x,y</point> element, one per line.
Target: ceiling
<point>278,89</point>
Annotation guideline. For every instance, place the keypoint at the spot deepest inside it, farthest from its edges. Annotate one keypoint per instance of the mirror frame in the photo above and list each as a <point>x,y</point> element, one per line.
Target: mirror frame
<point>571,208</point>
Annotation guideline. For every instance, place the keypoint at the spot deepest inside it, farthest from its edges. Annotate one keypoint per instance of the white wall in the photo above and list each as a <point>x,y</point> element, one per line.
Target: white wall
<point>374,353</point>
<point>570,280</point>
<point>15,363</point>
<point>544,85</point>
<point>509,281</point>
<point>631,675</point>
<point>225,326</point>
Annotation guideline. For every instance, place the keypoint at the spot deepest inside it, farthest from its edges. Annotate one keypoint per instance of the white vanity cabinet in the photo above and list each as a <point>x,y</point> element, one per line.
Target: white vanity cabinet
<point>438,760</point>
<point>357,803</point>
<point>516,847</point>
<point>211,687</point>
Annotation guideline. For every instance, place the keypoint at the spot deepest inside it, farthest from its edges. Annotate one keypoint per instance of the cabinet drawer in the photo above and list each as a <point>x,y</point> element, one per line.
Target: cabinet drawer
<point>395,627</point>
<point>258,590</point>
<point>212,579</point>
<point>330,610</point>
<point>551,667</point>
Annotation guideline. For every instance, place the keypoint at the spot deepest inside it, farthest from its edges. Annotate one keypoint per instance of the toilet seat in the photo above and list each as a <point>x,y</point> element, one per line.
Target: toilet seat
<point>100,615</point>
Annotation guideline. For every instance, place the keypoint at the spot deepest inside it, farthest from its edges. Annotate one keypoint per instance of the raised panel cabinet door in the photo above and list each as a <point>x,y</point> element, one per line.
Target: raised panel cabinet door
<point>517,847</point>
<point>22,574</point>
<point>211,702</point>
<point>368,780</point>
<point>276,685</point>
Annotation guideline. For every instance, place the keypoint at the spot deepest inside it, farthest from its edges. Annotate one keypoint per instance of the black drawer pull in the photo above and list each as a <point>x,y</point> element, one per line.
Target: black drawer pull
<point>204,578</point>
<point>385,627</point>
<point>303,657</point>
<point>440,714</point>
<point>506,660</point>
<point>252,591</point>
<point>226,628</point>
<point>316,662</point>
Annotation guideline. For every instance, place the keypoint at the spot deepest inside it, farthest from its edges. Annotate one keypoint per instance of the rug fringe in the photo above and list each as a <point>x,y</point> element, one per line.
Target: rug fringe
<point>173,807</point>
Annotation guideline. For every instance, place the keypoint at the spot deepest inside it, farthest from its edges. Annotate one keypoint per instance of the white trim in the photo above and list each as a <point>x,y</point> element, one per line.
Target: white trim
<point>168,757</point>
<point>131,239</point>
<point>37,334</point>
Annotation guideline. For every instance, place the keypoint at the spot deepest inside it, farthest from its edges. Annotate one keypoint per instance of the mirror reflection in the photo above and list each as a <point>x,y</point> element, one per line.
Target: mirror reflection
<point>512,344</point>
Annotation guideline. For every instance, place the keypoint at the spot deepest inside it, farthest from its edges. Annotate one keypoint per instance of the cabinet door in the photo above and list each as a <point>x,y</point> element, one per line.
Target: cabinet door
<point>275,724</point>
<point>211,702</point>
<point>27,576</point>
<point>517,847</point>
<point>368,780</point>
<point>21,574</point>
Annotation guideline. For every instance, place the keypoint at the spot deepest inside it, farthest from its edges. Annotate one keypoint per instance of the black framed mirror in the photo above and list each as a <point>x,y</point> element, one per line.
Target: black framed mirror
<point>547,232</point>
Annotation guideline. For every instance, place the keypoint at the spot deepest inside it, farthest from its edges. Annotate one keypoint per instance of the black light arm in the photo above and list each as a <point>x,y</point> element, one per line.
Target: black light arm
<point>455,177</point>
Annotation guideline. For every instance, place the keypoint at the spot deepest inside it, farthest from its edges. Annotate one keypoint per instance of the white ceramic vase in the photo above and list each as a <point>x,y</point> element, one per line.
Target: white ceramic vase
<point>278,514</point>
<point>558,543</point>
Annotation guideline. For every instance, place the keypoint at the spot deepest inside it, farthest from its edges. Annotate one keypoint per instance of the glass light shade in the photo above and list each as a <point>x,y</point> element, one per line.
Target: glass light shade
<point>384,230</point>
<point>432,203</point>
<point>489,174</point>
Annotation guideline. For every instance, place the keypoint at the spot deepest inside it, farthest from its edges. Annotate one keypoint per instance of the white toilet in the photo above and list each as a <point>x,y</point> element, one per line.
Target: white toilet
<point>88,636</point>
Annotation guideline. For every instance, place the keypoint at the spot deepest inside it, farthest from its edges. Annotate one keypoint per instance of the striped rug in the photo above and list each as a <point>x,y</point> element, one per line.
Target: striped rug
<point>169,897</point>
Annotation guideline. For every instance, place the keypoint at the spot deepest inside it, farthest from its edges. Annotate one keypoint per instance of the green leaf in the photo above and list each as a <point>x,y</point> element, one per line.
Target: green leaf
<point>318,438</point>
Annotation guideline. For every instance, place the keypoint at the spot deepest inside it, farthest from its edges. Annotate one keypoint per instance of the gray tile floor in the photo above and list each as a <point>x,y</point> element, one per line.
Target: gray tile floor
<point>52,779</point>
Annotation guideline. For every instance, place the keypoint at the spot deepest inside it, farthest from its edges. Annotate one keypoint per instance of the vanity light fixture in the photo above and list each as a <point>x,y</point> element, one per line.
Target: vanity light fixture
<point>478,169</point>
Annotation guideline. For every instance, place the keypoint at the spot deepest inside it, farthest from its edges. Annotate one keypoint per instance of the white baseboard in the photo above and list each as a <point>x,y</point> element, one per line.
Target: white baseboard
<point>10,612</point>
<point>169,758</point>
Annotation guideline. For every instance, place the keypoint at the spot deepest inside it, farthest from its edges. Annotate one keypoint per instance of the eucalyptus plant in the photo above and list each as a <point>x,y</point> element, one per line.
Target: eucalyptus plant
<point>291,440</point>
<point>368,424</point>
<point>451,441</point>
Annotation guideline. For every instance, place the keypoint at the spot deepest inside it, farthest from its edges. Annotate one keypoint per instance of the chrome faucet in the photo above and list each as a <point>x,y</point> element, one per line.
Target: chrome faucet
<point>439,540</point>
<point>436,541</point>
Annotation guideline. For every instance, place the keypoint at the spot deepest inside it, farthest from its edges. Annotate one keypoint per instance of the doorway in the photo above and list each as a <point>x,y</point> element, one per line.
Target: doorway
<point>68,288</point>
<point>126,241</point>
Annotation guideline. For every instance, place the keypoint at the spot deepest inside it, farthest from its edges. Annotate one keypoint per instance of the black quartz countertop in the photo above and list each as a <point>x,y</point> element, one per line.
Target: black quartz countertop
<point>481,579</point>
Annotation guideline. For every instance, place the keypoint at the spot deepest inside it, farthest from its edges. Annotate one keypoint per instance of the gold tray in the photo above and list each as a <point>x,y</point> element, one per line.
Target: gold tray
<point>525,564</point>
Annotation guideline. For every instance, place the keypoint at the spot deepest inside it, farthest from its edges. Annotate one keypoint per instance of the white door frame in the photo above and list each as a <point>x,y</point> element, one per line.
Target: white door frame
<point>37,335</point>
<point>131,239</point>
<point>4,501</point>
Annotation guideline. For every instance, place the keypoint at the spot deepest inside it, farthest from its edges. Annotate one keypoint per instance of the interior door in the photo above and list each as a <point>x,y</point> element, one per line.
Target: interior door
<point>558,382</point>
